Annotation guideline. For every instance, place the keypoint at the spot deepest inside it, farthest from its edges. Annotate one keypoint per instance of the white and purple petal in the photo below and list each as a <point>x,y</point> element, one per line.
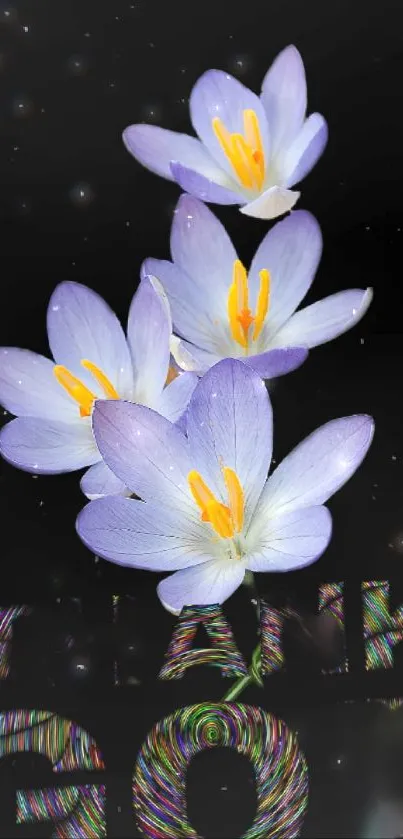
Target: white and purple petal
<point>291,252</point>
<point>326,319</point>
<point>203,585</point>
<point>156,148</point>
<point>29,388</point>
<point>305,151</point>
<point>140,535</point>
<point>147,452</point>
<point>229,423</point>
<point>174,399</point>
<point>48,447</point>
<point>214,188</point>
<point>318,466</point>
<point>217,94</point>
<point>82,326</point>
<point>190,304</point>
<point>284,97</point>
<point>289,541</point>
<point>191,358</point>
<point>277,362</point>
<point>273,202</point>
<point>148,334</point>
<point>99,481</point>
<point>201,247</point>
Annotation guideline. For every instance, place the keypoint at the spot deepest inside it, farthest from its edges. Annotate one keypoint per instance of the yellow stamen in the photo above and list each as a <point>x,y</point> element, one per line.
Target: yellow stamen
<point>78,391</point>
<point>240,160</point>
<point>254,140</point>
<point>225,520</point>
<point>219,517</point>
<point>239,314</point>
<point>245,151</point>
<point>235,497</point>
<point>102,380</point>
<point>263,303</point>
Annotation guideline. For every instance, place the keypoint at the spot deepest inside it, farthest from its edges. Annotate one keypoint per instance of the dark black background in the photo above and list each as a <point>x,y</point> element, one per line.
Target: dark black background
<point>75,205</point>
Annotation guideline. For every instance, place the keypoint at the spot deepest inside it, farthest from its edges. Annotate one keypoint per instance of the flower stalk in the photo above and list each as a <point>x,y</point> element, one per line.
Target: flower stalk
<point>254,672</point>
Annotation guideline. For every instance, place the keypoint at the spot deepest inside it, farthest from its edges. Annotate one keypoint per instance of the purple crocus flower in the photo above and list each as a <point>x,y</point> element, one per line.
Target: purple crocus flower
<point>220,311</point>
<point>210,513</point>
<point>250,150</point>
<point>54,400</point>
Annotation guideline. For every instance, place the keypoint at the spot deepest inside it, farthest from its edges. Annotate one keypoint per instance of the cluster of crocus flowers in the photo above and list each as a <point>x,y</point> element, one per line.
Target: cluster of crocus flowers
<point>176,412</point>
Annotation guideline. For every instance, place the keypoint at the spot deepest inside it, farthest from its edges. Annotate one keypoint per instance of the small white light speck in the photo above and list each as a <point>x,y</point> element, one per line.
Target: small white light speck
<point>394,457</point>
<point>224,789</point>
<point>362,341</point>
<point>26,28</point>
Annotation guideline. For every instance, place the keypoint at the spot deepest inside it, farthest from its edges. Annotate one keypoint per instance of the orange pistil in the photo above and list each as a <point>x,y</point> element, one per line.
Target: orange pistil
<point>78,391</point>
<point>239,314</point>
<point>244,151</point>
<point>226,520</point>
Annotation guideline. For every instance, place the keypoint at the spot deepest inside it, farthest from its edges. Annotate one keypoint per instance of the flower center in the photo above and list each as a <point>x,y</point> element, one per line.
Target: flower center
<point>239,314</point>
<point>78,391</point>
<point>226,520</point>
<point>244,151</point>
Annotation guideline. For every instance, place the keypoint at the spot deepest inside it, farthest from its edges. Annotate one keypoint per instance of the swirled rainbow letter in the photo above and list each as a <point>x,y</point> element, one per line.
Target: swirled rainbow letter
<point>223,652</point>
<point>8,614</point>
<point>159,783</point>
<point>75,811</point>
<point>79,811</point>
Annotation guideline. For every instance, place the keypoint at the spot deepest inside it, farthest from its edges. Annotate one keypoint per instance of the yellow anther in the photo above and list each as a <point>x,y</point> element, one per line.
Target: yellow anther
<point>254,140</point>
<point>263,303</point>
<point>81,394</point>
<point>245,151</point>
<point>239,314</point>
<point>102,380</point>
<point>219,517</point>
<point>225,520</point>
<point>235,497</point>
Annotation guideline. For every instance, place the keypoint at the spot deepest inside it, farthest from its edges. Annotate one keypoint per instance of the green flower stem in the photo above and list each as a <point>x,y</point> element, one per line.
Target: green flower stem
<point>253,676</point>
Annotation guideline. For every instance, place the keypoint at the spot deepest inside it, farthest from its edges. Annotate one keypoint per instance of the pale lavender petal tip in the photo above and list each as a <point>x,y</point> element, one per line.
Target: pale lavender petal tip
<point>277,362</point>
<point>202,187</point>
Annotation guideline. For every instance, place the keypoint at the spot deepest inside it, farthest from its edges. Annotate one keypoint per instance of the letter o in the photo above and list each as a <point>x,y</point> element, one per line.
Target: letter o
<point>159,783</point>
